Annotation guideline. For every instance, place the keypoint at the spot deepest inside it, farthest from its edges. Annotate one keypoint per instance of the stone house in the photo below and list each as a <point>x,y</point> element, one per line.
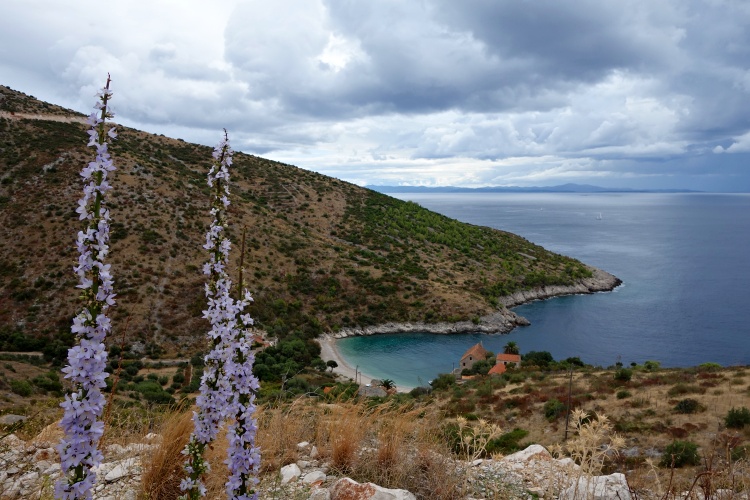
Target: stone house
<point>475,353</point>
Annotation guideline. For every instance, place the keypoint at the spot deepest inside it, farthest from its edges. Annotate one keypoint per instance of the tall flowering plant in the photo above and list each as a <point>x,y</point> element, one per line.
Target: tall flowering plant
<point>228,386</point>
<point>87,359</point>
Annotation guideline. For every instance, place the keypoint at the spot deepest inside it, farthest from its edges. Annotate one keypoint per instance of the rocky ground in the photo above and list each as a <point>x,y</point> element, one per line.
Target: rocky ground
<point>28,469</point>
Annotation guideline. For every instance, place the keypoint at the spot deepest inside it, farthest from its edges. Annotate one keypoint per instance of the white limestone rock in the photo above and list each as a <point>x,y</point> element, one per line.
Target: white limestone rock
<point>289,473</point>
<point>598,488</point>
<point>314,476</point>
<point>348,489</point>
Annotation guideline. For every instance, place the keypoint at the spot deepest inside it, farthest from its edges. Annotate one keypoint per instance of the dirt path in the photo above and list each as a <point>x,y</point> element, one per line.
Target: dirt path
<point>49,118</point>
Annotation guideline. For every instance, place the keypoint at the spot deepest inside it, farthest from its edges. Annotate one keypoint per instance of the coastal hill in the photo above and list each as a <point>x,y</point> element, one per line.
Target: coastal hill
<point>322,254</point>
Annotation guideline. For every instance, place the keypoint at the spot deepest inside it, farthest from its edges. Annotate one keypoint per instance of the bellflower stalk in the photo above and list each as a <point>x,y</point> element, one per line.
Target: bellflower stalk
<point>87,360</point>
<point>228,386</point>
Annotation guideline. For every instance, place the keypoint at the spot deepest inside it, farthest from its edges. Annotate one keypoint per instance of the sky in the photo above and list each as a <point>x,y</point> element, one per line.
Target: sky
<point>639,94</point>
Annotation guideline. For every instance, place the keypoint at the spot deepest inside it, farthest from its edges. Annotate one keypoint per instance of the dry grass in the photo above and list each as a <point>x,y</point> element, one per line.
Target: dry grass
<point>646,419</point>
<point>162,469</point>
<point>396,447</point>
<point>406,446</point>
<point>280,429</point>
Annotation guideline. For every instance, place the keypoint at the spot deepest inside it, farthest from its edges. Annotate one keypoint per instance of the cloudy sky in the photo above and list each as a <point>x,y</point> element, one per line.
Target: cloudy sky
<point>638,93</point>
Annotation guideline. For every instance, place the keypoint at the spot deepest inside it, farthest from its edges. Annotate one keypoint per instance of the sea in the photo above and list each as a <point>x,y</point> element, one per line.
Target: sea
<point>684,260</point>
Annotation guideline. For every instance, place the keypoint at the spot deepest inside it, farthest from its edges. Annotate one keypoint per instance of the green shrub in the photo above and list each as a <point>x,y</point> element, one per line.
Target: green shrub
<point>443,381</point>
<point>419,391</point>
<point>507,443</point>
<point>688,406</point>
<point>709,367</point>
<point>553,409</point>
<point>623,394</point>
<point>651,365</point>
<point>482,367</point>
<point>21,387</point>
<point>48,382</point>
<point>680,389</point>
<point>679,454</point>
<point>542,359</point>
<point>623,374</point>
<point>153,392</point>
<point>737,418</point>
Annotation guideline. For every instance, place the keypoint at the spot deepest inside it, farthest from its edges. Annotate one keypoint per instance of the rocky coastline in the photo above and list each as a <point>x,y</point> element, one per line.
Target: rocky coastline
<point>502,321</point>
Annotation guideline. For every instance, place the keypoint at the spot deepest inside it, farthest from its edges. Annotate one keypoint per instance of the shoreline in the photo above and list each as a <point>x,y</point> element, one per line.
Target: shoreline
<point>329,351</point>
<point>499,322</point>
<point>502,321</point>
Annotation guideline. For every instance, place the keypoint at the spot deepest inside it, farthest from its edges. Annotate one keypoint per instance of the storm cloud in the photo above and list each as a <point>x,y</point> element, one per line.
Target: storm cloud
<point>437,92</point>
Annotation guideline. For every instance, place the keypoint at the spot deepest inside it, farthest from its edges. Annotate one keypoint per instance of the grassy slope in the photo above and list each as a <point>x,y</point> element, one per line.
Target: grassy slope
<point>321,253</point>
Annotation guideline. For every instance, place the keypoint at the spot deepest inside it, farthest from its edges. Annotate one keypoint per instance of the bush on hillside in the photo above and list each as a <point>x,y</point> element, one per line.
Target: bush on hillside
<point>21,387</point>
<point>688,406</point>
<point>709,367</point>
<point>542,359</point>
<point>553,409</point>
<point>623,374</point>
<point>507,443</point>
<point>737,418</point>
<point>679,454</point>
<point>443,381</point>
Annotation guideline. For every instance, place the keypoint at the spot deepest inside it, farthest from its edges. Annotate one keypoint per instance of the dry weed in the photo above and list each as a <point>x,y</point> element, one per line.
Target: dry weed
<point>405,449</point>
<point>280,429</point>
<point>162,468</point>
<point>473,439</point>
<point>344,426</point>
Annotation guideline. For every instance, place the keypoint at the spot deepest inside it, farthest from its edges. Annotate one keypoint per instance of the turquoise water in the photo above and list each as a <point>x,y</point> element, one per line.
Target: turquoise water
<point>683,259</point>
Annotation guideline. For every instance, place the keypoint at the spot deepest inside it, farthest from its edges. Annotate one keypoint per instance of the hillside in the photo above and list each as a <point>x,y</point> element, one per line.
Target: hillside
<point>322,254</point>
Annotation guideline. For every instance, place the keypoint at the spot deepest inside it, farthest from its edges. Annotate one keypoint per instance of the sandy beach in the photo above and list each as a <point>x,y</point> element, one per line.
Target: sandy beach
<point>328,351</point>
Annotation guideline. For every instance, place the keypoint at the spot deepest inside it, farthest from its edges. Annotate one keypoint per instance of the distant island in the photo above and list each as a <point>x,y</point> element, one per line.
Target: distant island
<point>563,188</point>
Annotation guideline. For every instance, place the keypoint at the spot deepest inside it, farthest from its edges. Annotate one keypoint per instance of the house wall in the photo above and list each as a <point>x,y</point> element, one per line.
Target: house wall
<point>468,362</point>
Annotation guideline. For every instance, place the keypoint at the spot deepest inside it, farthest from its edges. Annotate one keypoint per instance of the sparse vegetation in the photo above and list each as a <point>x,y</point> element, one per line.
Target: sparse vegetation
<point>679,454</point>
<point>324,254</point>
<point>737,418</point>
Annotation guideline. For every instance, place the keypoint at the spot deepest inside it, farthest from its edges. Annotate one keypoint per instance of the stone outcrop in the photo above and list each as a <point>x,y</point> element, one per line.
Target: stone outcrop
<point>501,321</point>
<point>537,471</point>
<point>601,281</point>
<point>598,488</point>
<point>29,469</point>
<point>348,489</point>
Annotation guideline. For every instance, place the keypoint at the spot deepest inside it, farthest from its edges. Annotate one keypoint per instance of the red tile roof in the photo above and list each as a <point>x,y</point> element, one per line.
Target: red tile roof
<point>498,369</point>
<point>478,351</point>
<point>509,358</point>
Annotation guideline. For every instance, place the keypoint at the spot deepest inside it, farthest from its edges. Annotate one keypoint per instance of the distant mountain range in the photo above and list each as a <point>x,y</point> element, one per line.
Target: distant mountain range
<point>563,188</point>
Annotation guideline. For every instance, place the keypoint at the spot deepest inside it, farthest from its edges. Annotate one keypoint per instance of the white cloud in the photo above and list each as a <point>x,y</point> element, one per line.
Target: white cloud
<point>411,92</point>
<point>741,144</point>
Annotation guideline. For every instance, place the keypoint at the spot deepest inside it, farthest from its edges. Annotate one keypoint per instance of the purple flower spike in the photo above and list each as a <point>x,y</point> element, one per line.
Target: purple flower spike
<point>87,360</point>
<point>228,386</point>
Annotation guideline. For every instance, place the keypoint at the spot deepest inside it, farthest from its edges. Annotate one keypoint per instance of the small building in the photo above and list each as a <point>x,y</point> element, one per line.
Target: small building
<point>370,391</point>
<point>503,361</point>
<point>474,354</point>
